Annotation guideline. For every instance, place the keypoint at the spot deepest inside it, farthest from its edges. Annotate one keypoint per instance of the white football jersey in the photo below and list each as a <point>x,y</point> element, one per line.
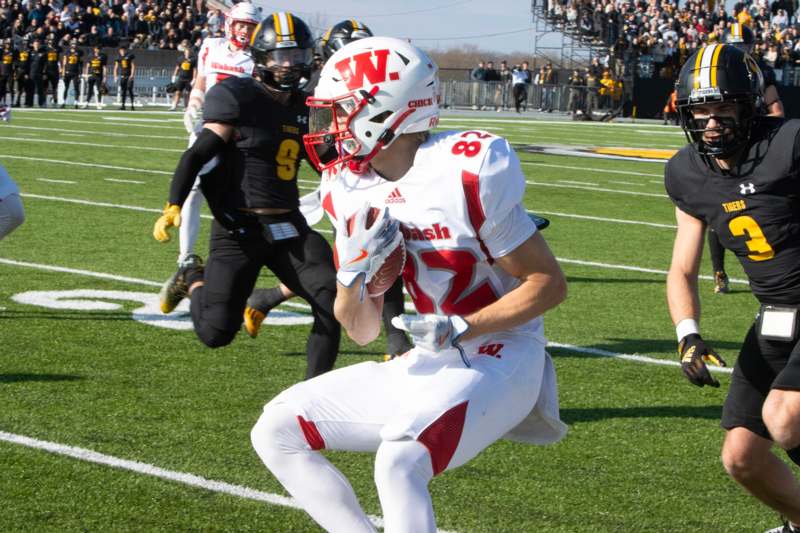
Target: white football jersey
<point>7,185</point>
<point>460,206</point>
<point>217,62</point>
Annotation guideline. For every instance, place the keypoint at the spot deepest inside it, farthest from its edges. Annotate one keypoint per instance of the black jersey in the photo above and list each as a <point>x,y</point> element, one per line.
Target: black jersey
<point>754,208</point>
<point>125,65</point>
<point>260,162</point>
<point>96,64</point>
<point>6,63</point>
<point>186,68</point>
<point>38,62</point>
<point>74,62</point>
<point>23,63</point>
<point>53,56</point>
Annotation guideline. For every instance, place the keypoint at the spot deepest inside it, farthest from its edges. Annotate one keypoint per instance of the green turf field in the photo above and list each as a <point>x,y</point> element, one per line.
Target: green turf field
<point>87,361</point>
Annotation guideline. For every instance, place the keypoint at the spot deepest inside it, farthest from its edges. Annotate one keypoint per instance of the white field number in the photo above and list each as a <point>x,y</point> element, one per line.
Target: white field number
<point>147,313</point>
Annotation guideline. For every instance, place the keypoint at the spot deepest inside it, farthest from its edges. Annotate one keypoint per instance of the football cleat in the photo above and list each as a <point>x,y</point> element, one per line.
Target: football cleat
<point>785,528</point>
<point>260,303</point>
<point>176,288</point>
<point>721,283</point>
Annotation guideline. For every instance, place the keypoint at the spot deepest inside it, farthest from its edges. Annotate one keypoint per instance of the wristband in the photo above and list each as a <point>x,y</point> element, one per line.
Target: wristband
<point>685,327</point>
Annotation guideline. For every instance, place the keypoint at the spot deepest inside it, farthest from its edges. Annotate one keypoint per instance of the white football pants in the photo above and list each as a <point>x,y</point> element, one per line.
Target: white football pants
<point>421,414</point>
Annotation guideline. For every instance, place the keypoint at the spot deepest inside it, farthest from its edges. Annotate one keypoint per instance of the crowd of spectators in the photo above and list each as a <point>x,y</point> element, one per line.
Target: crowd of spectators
<point>657,37</point>
<point>142,24</point>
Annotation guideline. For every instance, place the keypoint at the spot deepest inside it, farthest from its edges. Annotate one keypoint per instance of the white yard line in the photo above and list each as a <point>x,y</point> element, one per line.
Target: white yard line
<point>67,182</point>
<point>125,181</point>
<point>590,169</point>
<point>629,357</point>
<point>79,133</point>
<point>115,206</point>
<point>76,163</point>
<point>624,183</point>
<point>578,183</point>
<point>85,122</point>
<point>596,189</point>
<point>90,456</point>
<point>96,145</point>
<point>604,219</point>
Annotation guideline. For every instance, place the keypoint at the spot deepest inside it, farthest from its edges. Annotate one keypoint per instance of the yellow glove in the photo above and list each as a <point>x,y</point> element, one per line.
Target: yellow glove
<point>171,216</point>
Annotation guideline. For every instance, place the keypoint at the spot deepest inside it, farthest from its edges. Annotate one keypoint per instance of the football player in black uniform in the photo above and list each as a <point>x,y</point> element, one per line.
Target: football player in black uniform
<point>38,72</point>
<point>52,67</point>
<point>96,71</point>
<point>7,72</point>
<point>739,176</point>
<point>124,71</point>
<point>22,76</point>
<point>184,76</point>
<point>71,68</point>
<point>740,36</point>
<point>256,126</point>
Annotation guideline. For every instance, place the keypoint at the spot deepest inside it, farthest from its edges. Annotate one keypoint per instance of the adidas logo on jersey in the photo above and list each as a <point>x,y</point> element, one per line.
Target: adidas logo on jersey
<point>435,233</point>
<point>395,197</point>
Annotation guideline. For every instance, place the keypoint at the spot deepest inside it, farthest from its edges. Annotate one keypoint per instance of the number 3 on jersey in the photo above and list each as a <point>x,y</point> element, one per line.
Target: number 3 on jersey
<point>286,158</point>
<point>757,243</point>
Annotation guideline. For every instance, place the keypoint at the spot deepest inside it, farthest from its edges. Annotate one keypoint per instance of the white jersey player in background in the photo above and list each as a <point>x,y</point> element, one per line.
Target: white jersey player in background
<point>480,276</point>
<point>12,214</point>
<point>219,58</point>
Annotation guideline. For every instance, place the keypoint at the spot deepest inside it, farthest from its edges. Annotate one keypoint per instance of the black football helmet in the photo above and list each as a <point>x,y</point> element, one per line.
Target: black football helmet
<point>281,47</point>
<point>714,74</point>
<point>340,34</point>
<point>740,36</point>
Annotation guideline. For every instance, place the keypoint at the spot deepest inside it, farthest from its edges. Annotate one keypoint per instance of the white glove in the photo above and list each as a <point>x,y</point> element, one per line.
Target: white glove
<point>192,118</point>
<point>434,333</point>
<point>173,79</point>
<point>363,253</point>
<point>5,113</point>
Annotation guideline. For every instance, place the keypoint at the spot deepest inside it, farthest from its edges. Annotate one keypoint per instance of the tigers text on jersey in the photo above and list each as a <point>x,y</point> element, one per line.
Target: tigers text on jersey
<point>216,62</point>
<point>754,208</point>
<point>460,206</point>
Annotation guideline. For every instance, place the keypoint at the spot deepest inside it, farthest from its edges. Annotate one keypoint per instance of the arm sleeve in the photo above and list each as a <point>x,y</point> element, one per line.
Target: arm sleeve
<point>221,105</point>
<point>206,146</point>
<point>502,187</point>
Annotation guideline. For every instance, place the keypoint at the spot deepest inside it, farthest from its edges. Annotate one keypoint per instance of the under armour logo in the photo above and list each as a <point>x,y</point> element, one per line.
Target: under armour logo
<point>302,119</point>
<point>747,188</point>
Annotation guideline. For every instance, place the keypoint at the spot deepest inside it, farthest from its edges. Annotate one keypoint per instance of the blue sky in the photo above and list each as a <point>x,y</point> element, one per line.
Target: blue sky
<point>429,23</point>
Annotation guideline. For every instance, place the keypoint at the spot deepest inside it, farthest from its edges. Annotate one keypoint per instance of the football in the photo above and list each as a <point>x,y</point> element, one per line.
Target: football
<point>390,270</point>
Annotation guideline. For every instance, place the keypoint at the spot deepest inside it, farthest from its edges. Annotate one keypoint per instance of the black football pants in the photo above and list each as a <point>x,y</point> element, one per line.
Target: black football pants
<point>40,87</point>
<point>304,264</point>
<point>6,87</point>
<point>75,79</point>
<point>126,88</point>
<point>94,82</point>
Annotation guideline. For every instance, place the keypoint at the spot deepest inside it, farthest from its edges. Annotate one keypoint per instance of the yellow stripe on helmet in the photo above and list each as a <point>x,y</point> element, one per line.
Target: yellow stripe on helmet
<point>276,22</point>
<point>696,71</point>
<point>714,60</point>
<point>354,22</point>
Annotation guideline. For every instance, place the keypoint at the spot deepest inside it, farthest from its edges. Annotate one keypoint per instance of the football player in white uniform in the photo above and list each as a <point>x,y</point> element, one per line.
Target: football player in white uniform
<point>219,58</point>
<point>478,271</point>
<point>11,212</point>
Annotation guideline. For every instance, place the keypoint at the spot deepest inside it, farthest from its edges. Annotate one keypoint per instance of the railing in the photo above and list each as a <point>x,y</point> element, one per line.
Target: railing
<point>501,96</point>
